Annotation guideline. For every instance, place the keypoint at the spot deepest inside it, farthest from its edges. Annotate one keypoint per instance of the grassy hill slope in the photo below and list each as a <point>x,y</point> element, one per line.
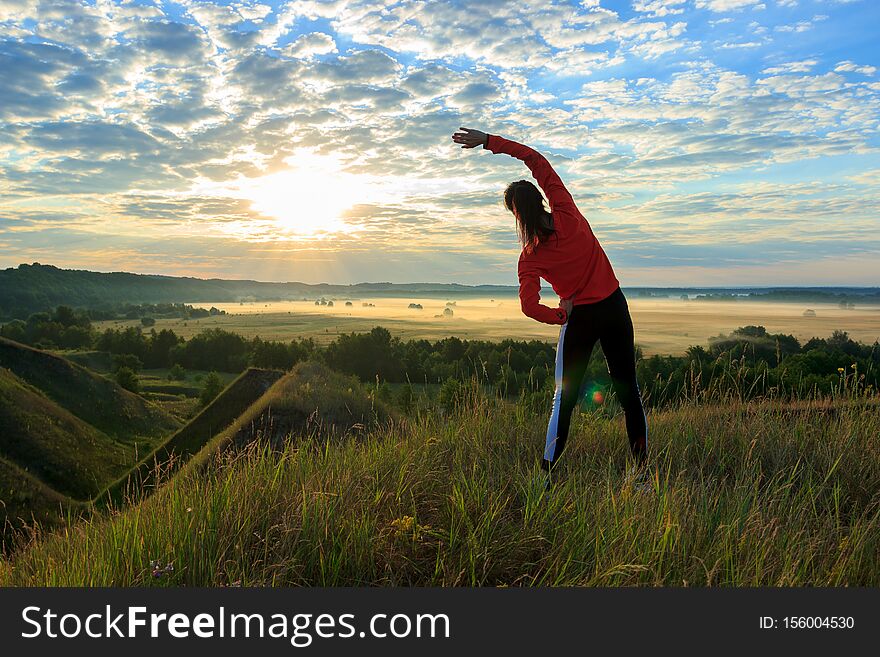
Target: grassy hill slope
<point>235,399</point>
<point>58,448</point>
<point>26,499</point>
<point>310,401</point>
<point>65,435</point>
<point>748,496</point>
<point>94,399</point>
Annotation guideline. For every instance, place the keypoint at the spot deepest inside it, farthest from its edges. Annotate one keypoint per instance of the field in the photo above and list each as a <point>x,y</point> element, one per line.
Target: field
<point>663,326</point>
<point>743,494</point>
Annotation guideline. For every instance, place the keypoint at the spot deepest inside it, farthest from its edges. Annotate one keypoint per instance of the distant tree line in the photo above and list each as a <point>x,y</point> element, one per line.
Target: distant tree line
<point>69,328</point>
<point>150,311</point>
<point>212,349</point>
<point>749,362</point>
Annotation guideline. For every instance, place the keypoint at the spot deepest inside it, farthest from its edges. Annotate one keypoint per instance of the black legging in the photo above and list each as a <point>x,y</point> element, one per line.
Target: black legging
<point>607,321</point>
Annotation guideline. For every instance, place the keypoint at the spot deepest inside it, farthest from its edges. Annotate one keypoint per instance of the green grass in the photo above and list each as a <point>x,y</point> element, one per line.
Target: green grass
<point>157,381</point>
<point>65,453</point>
<point>97,361</point>
<point>754,495</point>
<point>91,397</point>
<point>311,400</point>
<point>26,499</point>
<point>66,433</point>
<point>238,396</point>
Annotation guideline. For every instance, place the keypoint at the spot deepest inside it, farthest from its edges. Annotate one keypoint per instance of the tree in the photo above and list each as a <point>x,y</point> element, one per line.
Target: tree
<point>213,387</point>
<point>126,377</point>
<point>451,394</point>
<point>15,330</point>
<point>367,355</point>
<point>126,361</point>
<point>161,344</point>
<point>65,316</point>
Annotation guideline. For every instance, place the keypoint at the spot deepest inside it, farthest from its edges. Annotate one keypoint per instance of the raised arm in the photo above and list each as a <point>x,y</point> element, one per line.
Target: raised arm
<point>547,178</point>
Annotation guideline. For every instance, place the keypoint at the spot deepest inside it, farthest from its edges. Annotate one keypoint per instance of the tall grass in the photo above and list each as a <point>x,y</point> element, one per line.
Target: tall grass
<point>743,494</point>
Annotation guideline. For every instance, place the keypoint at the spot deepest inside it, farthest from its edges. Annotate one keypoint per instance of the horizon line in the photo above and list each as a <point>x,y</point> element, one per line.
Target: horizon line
<point>470,285</point>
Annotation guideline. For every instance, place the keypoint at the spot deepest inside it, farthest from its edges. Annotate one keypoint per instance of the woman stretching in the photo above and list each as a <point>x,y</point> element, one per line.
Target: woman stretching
<point>560,247</point>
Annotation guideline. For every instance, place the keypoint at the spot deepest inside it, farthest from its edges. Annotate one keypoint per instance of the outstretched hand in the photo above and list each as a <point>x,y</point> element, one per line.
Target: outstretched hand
<point>469,138</point>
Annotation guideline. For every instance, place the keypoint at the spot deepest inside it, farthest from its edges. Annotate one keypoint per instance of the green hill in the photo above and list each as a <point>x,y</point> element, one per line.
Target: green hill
<point>94,399</point>
<point>26,499</point>
<point>55,446</point>
<point>65,435</point>
<point>310,401</point>
<point>235,399</point>
<point>260,405</point>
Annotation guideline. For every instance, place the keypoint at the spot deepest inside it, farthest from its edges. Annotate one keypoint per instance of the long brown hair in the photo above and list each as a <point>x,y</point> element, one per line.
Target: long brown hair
<point>530,212</point>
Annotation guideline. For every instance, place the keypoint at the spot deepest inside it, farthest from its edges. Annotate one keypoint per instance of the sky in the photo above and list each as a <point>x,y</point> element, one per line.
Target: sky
<point>707,142</point>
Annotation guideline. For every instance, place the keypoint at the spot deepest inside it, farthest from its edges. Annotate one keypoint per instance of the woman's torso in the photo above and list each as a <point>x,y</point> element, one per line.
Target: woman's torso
<point>572,260</point>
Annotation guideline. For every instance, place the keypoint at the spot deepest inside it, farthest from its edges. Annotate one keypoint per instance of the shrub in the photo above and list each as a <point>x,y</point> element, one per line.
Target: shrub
<point>127,361</point>
<point>127,378</point>
<point>213,387</point>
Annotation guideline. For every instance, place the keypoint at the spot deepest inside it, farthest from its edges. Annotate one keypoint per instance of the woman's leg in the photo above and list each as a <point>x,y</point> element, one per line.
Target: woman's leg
<point>617,344</point>
<point>576,340</point>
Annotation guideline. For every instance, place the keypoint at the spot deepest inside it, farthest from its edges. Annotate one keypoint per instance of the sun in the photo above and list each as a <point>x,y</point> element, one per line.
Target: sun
<point>310,198</point>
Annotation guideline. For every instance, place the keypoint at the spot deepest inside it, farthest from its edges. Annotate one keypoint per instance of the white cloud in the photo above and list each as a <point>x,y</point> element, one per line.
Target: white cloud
<point>725,5</point>
<point>659,8</point>
<point>850,67</point>
<point>802,66</point>
<point>311,45</point>
<point>742,44</point>
<point>801,26</point>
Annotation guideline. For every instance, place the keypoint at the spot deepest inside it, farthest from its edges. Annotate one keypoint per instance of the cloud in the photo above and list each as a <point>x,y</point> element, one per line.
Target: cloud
<point>801,26</point>
<point>311,45</point>
<point>659,8</point>
<point>725,5</point>
<point>850,67</point>
<point>802,66</point>
<point>133,124</point>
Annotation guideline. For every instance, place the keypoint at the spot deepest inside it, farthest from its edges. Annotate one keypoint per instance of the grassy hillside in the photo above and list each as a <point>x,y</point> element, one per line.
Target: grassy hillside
<point>310,401</point>
<point>742,495</point>
<point>55,446</point>
<point>213,419</point>
<point>26,499</point>
<point>65,435</point>
<point>92,398</point>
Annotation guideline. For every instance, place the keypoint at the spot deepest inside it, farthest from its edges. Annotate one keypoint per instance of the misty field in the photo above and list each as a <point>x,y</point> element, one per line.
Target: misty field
<point>663,326</point>
<point>760,494</point>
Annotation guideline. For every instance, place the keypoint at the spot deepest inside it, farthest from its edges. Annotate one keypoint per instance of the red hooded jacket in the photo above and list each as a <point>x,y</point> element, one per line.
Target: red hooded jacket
<point>574,264</point>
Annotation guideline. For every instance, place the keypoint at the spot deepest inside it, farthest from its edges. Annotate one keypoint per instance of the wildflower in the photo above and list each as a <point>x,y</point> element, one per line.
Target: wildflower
<point>840,370</point>
<point>854,365</point>
<point>408,526</point>
<point>157,569</point>
<point>402,525</point>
